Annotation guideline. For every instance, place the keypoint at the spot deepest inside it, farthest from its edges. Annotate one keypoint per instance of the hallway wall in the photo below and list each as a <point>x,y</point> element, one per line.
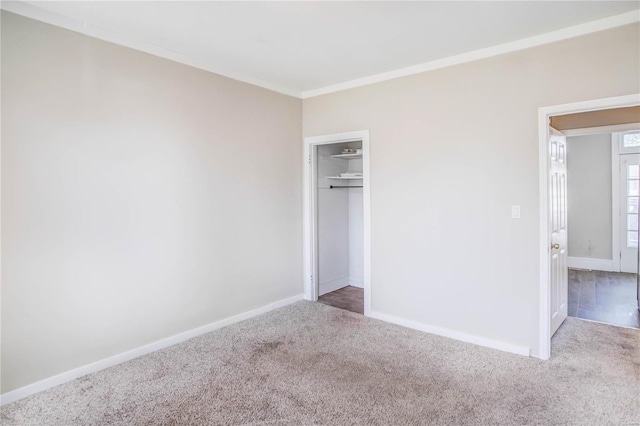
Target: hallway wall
<point>589,206</point>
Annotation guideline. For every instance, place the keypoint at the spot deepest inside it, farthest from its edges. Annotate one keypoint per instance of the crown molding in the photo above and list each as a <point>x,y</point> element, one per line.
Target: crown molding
<point>40,14</point>
<point>43,15</point>
<point>525,43</point>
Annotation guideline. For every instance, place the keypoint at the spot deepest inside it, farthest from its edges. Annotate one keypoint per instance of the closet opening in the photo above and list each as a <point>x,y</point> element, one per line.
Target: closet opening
<point>337,233</point>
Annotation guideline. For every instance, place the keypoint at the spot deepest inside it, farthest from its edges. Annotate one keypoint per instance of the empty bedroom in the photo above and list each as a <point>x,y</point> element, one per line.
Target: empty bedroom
<point>319,212</point>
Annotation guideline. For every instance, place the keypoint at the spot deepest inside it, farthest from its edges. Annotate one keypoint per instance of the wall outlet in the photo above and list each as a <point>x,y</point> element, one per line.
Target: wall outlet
<point>515,212</point>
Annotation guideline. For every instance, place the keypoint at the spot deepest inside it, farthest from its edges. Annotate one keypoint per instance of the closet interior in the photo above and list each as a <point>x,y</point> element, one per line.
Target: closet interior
<point>340,227</point>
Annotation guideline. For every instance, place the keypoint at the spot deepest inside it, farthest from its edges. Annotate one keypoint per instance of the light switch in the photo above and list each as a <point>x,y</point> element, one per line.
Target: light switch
<point>515,212</point>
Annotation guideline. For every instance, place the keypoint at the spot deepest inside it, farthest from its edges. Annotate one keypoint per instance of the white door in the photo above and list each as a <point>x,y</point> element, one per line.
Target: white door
<point>629,193</point>
<point>558,221</point>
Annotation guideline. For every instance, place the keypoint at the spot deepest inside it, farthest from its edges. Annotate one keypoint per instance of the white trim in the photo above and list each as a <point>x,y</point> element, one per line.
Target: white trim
<point>452,334</point>
<point>544,114</point>
<point>602,129</point>
<point>545,302</point>
<point>366,201</point>
<point>333,285</point>
<point>308,207</point>
<point>615,202</point>
<point>308,238</point>
<point>70,375</point>
<point>525,43</point>
<point>355,281</point>
<point>40,14</point>
<point>591,264</point>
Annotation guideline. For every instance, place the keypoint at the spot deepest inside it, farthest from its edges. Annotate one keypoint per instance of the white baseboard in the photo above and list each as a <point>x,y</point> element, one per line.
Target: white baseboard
<point>452,334</point>
<point>589,263</point>
<point>356,281</point>
<point>70,375</point>
<point>333,285</point>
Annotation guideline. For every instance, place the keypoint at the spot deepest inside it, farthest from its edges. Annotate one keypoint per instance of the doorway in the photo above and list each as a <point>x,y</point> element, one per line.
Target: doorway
<point>337,241</point>
<point>554,262</point>
<point>603,175</point>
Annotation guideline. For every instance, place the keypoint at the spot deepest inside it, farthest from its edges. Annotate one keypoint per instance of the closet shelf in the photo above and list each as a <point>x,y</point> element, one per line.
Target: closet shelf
<point>348,156</point>
<point>344,178</point>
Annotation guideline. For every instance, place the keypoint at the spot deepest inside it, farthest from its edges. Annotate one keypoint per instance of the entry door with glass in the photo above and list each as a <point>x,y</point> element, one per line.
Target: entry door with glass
<point>630,193</point>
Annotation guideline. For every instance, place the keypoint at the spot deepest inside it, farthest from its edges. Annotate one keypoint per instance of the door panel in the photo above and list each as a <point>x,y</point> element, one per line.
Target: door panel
<point>558,220</point>
<point>629,196</point>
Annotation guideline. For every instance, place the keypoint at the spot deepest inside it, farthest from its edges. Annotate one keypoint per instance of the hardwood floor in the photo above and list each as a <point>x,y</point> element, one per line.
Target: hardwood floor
<point>604,296</point>
<point>608,297</point>
<point>349,298</point>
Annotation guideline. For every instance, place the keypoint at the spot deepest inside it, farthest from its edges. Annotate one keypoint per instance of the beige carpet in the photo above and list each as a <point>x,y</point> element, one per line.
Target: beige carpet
<point>313,364</point>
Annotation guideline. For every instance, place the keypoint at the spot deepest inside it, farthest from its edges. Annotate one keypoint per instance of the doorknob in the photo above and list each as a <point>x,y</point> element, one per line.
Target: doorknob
<point>555,246</point>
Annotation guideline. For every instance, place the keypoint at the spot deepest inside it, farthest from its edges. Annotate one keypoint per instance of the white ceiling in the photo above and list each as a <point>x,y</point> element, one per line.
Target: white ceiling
<point>300,48</point>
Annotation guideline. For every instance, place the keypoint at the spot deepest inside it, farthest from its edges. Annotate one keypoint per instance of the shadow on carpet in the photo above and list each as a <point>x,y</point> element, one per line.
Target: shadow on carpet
<point>310,363</point>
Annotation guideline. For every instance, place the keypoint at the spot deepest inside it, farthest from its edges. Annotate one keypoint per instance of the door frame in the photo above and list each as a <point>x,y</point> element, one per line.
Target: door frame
<point>309,223</point>
<point>615,203</point>
<point>544,115</point>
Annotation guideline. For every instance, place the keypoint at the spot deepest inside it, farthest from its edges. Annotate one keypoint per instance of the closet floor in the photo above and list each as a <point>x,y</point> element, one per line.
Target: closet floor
<point>349,298</point>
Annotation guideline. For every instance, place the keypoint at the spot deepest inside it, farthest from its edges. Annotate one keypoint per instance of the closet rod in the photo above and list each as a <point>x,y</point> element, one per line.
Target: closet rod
<point>338,186</point>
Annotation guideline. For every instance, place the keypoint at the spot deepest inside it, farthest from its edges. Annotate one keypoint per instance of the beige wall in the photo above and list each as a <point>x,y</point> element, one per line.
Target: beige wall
<point>140,198</point>
<point>605,117</point>
<point>589,195</point>
<point>451,151</point>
